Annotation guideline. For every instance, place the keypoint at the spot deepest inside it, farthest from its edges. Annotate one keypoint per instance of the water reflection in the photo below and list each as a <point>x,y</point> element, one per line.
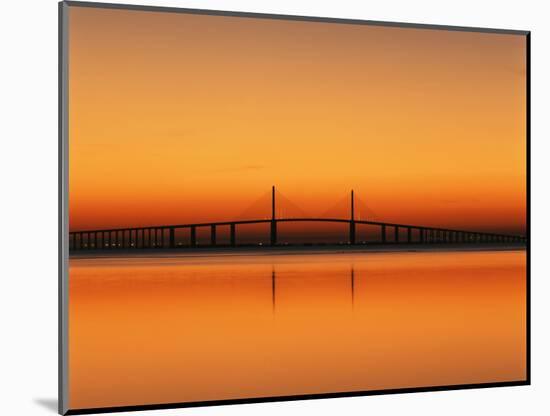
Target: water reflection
<point>174,329</point>
<point>274,287</point>
<point>352,273</point>
<point>273,281</point>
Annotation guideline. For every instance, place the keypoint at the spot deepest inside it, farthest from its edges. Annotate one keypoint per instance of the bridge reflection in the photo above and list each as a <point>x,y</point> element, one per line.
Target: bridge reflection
<point>274,287</point>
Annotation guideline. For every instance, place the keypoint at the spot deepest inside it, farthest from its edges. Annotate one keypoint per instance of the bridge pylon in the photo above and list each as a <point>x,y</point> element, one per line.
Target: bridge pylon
<point>273,233</point>
<point>352,220</point>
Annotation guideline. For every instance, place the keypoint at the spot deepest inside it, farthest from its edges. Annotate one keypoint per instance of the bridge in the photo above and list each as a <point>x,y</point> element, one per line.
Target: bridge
<point>164,236</point>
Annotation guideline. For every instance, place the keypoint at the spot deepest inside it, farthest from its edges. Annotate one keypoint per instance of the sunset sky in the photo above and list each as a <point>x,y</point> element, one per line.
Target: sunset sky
<point>177,118</point>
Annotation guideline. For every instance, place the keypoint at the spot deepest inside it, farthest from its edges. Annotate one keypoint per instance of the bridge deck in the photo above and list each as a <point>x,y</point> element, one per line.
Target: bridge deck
<point>154,236</point>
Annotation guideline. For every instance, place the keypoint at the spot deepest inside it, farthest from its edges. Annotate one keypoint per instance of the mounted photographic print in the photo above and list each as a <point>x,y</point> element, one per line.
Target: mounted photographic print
<point>264,207</point>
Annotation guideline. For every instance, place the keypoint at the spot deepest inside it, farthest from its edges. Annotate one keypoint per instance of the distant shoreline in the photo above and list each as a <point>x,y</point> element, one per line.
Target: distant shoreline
<point>288,250</point>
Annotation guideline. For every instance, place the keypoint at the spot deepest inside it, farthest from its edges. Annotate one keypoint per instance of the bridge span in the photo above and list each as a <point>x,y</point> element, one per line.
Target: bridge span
<point>164,236</point>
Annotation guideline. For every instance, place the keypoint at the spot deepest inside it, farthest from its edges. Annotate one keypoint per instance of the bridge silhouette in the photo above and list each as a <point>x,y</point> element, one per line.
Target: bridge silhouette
<point>155,236</point>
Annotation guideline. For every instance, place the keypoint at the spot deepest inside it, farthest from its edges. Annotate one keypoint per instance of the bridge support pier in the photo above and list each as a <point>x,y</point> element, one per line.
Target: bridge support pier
<point>172,237</point>
<point>409,235</point>
<point>352,232</point>
<point>193,236</point>
<point>383,233</point>
<point>396,234</point>
<point>213,235</point>
<point>232,239</point>
<point>273,233</point>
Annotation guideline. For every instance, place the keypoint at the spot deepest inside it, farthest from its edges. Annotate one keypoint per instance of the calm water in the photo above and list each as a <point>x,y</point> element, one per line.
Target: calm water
<point>146,331</point>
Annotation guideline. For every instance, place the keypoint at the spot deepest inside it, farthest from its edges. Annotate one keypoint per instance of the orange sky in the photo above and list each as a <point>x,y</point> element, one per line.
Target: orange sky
<point>178,118</point>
